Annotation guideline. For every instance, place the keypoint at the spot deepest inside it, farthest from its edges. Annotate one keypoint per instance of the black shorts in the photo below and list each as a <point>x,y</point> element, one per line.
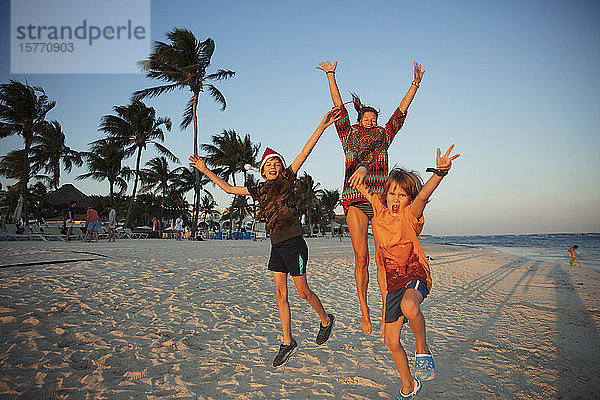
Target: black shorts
<point>289,256</point>
<point>365,207</point>
<point>393,311</point>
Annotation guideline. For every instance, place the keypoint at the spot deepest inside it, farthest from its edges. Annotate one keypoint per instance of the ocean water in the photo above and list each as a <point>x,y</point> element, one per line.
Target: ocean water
<point>551,247</point>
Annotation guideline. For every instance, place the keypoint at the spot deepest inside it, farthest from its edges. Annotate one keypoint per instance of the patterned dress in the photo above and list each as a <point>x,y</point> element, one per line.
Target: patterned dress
<point>367,147</point>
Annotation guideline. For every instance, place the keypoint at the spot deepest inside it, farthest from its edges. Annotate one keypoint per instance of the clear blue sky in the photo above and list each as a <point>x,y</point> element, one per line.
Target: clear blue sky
<point>514,84</point>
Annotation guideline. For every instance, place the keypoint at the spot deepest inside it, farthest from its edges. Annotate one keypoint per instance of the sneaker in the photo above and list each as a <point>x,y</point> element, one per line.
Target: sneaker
<point>325,331</point>
<point>424,367</point>
<point>285,352</point>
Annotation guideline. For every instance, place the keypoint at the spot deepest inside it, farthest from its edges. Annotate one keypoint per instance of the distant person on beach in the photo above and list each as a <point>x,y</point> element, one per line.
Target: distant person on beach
<point>92,221</point>
<point>365,147</point>
<point>112,224</point>
<point>70,220</point>
<point>179,227</point>
<point>289,253</point>
<point>573,255</point>
<point>397,222</point>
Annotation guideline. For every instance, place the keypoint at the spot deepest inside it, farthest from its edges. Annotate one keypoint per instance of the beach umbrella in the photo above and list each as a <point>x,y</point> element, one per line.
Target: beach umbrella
<point>66,194</point>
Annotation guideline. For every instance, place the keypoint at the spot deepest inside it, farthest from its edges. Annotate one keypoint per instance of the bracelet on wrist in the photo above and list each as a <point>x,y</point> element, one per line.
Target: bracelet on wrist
<point>438,172</point>
<point>330,72</point>
<point>417,84</point>
<point>363,165</point>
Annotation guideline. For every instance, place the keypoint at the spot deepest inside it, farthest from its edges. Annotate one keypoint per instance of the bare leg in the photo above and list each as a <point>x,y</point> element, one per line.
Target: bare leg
<point>281,294</point>
<point>358,223</point>
<point>392,341</point>
<point>310,296</point>
<point>412,310</point>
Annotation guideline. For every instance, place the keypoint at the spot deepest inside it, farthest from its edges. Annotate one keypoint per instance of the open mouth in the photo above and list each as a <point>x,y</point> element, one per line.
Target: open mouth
<point>395,208</point>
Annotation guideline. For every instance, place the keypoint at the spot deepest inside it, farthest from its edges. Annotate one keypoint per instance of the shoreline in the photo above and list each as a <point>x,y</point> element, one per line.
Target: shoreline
<point>163,319</point>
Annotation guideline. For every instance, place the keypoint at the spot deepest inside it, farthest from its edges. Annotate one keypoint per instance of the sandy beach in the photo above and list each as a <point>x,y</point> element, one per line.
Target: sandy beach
<point>161,319</point>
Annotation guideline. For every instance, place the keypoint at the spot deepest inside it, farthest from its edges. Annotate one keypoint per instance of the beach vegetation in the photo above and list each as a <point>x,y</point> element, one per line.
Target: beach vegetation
<point>136,127</point>
<point>228,154</point>
<point>184,181</point>
<point>329,200</point>
<point>182,63</point>
<point>157,178</point>
<point>23,110</point>
<point>49,152</point>
<point>307,193</point>
<point>104,162</point>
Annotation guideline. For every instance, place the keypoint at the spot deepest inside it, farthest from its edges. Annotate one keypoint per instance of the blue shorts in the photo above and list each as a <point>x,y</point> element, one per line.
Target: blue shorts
<point>393,311</point>
<point>92,226</point>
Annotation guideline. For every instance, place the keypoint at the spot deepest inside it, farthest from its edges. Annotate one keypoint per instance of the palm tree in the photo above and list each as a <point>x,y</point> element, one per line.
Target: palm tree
<point>185,180</point>
<point>307,192</point>
<point>50,151</point>
<point>208,207</point>
<point>37,192</point>
<point>136,126</point>
<point>104,162</point>
<point>157,177</point>
<point>23,109</point>
<point>329,199</point>
<point>182,64</point>
<point>229,153</point>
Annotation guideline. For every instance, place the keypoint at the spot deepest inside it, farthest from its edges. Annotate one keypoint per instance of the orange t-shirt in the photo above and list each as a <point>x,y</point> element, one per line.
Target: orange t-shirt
<point>397,245</point>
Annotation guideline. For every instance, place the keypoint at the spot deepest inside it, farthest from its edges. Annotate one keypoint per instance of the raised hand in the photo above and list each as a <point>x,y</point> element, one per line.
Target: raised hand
<point>197,163</point>
<point>445,162</point>
<point>331,117</point>
<point>418,72</point>
<point>326,66</point>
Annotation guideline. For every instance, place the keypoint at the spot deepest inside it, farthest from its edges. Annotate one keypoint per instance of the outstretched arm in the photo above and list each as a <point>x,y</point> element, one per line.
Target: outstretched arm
<point>443,166</point>
<point>410,95</point>
<point>329,70</point>
<point>200,165</point>
<point>328,119</point>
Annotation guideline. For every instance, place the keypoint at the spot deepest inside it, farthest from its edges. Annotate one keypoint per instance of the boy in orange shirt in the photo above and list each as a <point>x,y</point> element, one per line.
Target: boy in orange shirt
<point>397,223</point>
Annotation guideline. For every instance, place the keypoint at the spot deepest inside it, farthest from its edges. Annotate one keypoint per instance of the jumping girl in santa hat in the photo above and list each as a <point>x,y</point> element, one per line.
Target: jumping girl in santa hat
<point>289,253</point>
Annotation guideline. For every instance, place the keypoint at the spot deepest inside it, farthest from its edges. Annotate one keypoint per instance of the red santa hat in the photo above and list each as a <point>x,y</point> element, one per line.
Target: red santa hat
<point>269,153</point>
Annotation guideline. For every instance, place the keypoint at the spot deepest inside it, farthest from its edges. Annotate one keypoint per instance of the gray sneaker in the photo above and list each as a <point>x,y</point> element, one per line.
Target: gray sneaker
<point>285,352</point>
<point>325,331</point>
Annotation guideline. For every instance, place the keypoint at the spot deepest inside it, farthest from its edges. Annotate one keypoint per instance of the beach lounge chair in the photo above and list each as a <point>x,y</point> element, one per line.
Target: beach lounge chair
<point>121,234</point>
<point>52,232</point>
<point>35,233</point>
<point>102,233</point>
<point>138,235</point>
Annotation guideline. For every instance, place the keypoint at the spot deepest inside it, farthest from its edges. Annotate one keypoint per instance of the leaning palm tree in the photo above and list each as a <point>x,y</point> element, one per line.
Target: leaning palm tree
<point>104,163</point>
<point>49,152</point>
<point>182,64</point>
<point>307,194</point>
<point>136,126</point>
<point>23,109</point>
<point>329,199</point>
